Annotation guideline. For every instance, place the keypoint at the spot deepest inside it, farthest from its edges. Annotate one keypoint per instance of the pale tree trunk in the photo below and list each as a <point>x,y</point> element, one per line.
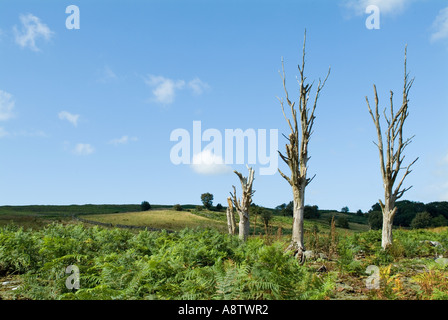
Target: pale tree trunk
<point>243,226</point>
<point>297,150</point>
<point>230,217</point>
<point>242,206</point>
<point>389,211</point>
<point>297,243</point>
<point>391,155</point>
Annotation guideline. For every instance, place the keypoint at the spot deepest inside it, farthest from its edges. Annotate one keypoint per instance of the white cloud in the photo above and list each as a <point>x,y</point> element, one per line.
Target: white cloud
<point>440,26</point>
<point>385,6</point>
<point>83,149</point>
<point>122,140</point>
<point>32,29</point>
<point>208,163</point>
<point>198,86</point>
<point>72,118</point>
<point>165,89</point>
<point>22,133</point>
<point>7,104</point>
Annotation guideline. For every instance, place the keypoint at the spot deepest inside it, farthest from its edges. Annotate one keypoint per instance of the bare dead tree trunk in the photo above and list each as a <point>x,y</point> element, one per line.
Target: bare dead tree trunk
<point>242,206</point>
<point>297,150</point>
<point>230,217</point>
<point>391,154</point>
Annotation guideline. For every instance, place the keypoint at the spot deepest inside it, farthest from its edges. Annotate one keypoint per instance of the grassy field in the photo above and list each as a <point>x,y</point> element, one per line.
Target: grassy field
<point>206,259</point>
<point>160,219</point>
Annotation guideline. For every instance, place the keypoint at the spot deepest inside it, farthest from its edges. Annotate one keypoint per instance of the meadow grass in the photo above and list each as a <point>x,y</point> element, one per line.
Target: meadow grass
<point>160,219</point>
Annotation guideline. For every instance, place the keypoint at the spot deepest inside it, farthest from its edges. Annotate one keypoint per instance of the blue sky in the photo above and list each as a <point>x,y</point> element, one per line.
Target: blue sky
<point>86,114</point>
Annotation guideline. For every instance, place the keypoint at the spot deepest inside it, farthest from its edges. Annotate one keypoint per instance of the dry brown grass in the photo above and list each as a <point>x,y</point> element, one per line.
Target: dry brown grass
<point>161,219</point>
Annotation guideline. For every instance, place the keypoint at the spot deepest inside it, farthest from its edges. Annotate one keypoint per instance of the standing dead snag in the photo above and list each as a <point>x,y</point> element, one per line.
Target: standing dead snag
<point>230,217</point>
<point>297,150</point>
<point>391,155</point>
<point>242,206</point>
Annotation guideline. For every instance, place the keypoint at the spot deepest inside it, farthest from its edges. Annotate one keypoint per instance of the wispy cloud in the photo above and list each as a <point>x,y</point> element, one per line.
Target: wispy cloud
<point>208,163</point>
<point>72,118</point>
<point>358,7</point>
<point>165,89</point>
<point>22,133</point>
<point>7,104</point>
<point>106,74</point>
<point>32,29</point>
<point>122,140</point>
<point>198,86</point>
<point>83,149</point>
<point>440,26</point>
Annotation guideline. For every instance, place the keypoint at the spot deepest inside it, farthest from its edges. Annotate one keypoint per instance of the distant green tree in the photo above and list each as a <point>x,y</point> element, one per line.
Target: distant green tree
<point>437,208</point>
<point>177,207</point>
<point>311,212</point>
<point>421,220</point>
<point>342,222</point>
<point>254,209</point>
<point>145,206</point>
<point>218,207</point>
<point>359,213</point>
<point>375,219</point>
<point>344,209</point>
<point>266,216</point>
<point>439,221</point>
<point>280,208</point>
<point>289,210</point>
<point>207,200</point>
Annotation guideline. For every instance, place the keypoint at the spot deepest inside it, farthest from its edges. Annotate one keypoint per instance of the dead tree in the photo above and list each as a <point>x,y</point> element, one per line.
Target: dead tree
<point>391,154</point>
<point>297,150</point>
<point>230,217</point>
<point>242,206</point>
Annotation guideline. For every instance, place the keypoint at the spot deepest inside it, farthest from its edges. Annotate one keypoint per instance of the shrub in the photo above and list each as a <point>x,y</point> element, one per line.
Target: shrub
<point>439,221</point>
<point>342,222</point>
<point>311,212</point>
<point>190,264</point>
<point>145,206</point>
<point>177,207</point>
<point>421,220</point>
<point>266,216</point>
<point>375,219</point>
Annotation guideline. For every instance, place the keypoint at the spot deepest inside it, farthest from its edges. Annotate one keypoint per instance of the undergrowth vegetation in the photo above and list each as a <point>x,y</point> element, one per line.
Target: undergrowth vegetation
<point>119,264</point>
<point>199,264</point>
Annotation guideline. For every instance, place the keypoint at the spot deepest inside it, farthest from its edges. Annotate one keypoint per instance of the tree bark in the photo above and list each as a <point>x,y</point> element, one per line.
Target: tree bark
<point>244,226</point>
<point>391,154</point>
<point>296,156</point>
<point>230,217</point>
<point>242,206</point>
<point>297,241</point>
